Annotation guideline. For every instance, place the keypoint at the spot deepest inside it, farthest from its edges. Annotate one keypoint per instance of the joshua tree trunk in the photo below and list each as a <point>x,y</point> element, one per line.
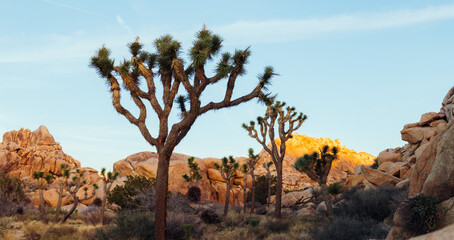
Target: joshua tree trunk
<point>162,188</point>
<point>327,197</point>
<point>244,193</point>
<point>58,209</point>
<point>227,199</point>
<point>73,208</point>
<point>42,206</point>
<point>253,192</point>
<point>269,192</point>
<point>277,205</point>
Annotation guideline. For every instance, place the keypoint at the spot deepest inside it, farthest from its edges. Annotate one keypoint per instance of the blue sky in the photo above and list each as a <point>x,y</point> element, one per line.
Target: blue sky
<point>359,69</point>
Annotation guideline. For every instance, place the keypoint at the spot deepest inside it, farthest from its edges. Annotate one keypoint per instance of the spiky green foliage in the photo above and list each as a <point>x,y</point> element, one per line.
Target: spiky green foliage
<point>194,171</point>
<point>244,168</point>
<point>102,63</point>
<point>227,168</point>
<point>205,47</point>
<point>318,164</point>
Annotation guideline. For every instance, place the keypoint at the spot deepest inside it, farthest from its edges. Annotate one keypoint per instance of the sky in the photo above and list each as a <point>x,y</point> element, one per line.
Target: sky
<point>359,70</point>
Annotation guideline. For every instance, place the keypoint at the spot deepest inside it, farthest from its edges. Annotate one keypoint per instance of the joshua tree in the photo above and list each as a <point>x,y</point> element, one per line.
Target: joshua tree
<point>267,166</point>
<point>194,174</point>
<point>73,187</point>
<point>284,117</point>
<point>317,167</point>
<point>167,66</point>
<point>227,168</point>
<point>61,182</point>
<point>245,170</point>
<point>251,162</point>
<point>107,179</point>
<point>42,181</point>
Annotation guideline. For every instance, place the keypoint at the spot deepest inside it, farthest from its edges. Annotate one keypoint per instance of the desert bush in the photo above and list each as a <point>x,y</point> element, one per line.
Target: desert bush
<point>376,204</point>
<point>348,228</point>
<point>92,215</point>
<point>138,192</point>
<point>128,225</point>
<point>194,194</point>
<point>261,189</point>
<point>335,188</point>
<point>276,225</point>
<point>419,214</point>
<point>253,222</point>
<point>234,219</point>
<point>33,230</point>
<point>13,199</point>
<point>375,164</point>
<point>60,232</point>
<point>209,216</point>
<point>176,222</point>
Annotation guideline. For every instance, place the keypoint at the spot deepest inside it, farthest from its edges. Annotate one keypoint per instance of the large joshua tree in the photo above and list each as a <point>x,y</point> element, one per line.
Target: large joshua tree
<point>166,66</point>
<point>317,166</point>
<point>285,120</point>
<point>227,168</point>
<point>251,162</point>
<point>61,182</point>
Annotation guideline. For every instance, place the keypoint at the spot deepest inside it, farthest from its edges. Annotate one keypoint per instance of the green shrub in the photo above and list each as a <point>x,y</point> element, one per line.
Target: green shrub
<point>138,192</point>
<point>420,214</point>
<point>261,188</point>
<point>335,188</point>
<point>347,228</point>
<point>375,204</point>
<point>254,222</point>
<point>129,225</point>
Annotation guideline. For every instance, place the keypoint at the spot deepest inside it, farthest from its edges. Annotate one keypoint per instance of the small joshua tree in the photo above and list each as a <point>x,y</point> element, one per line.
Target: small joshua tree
<point>61,182</point>
<point>108,180</point>
<point>317,166</point>
<point>42,180</point>
<point>287,121</point>
<point>251,162</point>
<point>194,193</point>
<point>267,166</point>
<point>73,187</point>
<point>227,168</point>
<point>244,170</point>
<point>194,171</point>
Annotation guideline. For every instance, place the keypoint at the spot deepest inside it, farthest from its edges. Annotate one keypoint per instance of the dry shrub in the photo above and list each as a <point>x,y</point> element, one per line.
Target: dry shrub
<point>279,236</point>
<point>33,230</point>
<point>176,222</point>
<point>61,232</point>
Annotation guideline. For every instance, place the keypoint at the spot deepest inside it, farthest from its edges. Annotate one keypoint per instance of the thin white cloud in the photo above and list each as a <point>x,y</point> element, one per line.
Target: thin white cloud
<point>290,30</point>
<point>73,8</point>
<point>123,23</point>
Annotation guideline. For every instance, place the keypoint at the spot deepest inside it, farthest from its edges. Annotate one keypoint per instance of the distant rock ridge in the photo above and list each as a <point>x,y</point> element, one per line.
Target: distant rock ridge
<point>212,184</point>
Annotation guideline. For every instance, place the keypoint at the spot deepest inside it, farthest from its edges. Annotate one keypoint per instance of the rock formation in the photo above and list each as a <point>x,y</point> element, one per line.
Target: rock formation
<point>213,186</point>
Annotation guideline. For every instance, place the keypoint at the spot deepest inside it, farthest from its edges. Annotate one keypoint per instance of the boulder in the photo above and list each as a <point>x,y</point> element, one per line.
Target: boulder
<point>384,166</point>
<point>80,207</point>
<point>427,118</point>
<point>446,213</point>
<point>447,106</point>
<point>417,134</point>
<point>440,181</point>
<point>307,211</point>
<point>321,207</point>
<point>446,233</point>
<point>379,178</point>
<point>291,198</point>
<point>353,181</point>
<point>389,155</point>
<point>394,169</point>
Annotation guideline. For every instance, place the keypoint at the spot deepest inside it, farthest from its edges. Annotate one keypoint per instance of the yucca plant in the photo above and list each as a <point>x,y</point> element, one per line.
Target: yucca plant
<point>267,166</point>
<point>251,162</point>
<point>287,120</point>
<point>42,180</point>
<point>317,167</point>
<point>108,179</point>
<point>194,171</point>
<point>227,168</point>
<point>244,170</point>
<point>61,183</point>
<point>166,66</point>
<point>73,186</point>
